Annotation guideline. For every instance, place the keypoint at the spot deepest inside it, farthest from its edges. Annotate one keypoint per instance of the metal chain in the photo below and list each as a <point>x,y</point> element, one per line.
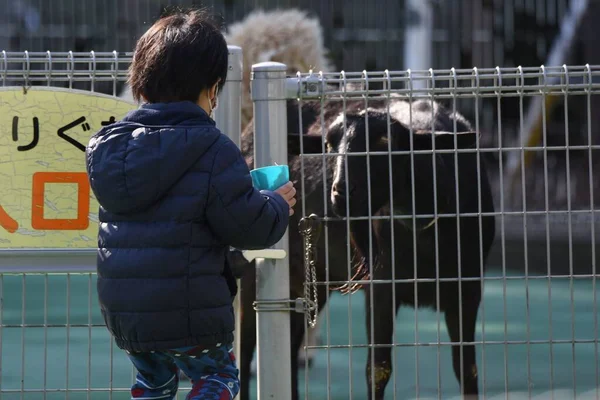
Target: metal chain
<point>310,229</point>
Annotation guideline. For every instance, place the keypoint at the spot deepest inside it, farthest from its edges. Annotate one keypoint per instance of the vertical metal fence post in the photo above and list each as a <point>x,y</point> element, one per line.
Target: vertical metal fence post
<point>272,276</point>
<point>228,117</point>
<point>228,114</point>
<point>418,36</point>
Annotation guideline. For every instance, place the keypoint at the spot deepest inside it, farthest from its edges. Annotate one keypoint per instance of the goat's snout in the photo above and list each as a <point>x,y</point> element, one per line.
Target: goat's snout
<point>339,189</point>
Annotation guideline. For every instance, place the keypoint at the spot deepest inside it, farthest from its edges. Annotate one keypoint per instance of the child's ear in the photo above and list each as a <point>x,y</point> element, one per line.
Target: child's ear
<point>311,144</point>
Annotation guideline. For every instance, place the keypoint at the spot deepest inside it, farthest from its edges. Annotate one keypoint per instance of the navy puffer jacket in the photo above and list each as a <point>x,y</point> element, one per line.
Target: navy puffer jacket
<point>174,194</point>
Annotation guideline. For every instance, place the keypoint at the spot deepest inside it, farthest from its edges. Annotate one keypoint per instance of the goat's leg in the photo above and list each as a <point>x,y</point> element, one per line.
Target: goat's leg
<point>248,329</point>
<point>297,334</point>
<point>470,304</point>
<point>380,358</point>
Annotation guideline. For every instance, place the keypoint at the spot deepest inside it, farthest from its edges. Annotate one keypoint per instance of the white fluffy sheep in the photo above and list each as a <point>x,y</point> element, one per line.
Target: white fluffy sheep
<point>288,36</point>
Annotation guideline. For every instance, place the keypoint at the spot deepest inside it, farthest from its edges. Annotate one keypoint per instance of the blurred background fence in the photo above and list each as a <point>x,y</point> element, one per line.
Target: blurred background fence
<point>464,34</point>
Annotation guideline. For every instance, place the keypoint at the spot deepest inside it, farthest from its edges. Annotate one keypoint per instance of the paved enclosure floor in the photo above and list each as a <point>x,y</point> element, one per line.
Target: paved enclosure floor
<point>34,358</point>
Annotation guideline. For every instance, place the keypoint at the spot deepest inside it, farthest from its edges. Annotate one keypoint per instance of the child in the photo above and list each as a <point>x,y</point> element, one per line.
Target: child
<point>175,194</point>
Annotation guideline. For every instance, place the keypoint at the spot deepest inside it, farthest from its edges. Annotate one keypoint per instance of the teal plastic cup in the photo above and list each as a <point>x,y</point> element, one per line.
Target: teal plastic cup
<point>271,177</point>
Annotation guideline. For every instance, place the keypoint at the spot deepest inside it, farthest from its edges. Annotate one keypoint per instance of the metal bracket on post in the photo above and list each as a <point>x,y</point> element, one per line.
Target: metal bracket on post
<point>299,305</point>
<point>273,344</point>
<point>274,254</point>
<point>306,87</point>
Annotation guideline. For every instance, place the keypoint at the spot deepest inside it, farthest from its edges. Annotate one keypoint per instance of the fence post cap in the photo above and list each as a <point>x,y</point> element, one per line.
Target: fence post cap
<point>234,49</point>
<point>235,64</point>
<point>269,66</point>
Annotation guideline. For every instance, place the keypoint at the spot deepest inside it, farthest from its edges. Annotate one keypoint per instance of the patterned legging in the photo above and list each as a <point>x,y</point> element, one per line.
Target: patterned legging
<point>212,370</point>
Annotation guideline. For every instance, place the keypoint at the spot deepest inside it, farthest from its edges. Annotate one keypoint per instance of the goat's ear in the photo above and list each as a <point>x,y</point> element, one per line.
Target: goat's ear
<point>311,144</point>
<point>423,140</point>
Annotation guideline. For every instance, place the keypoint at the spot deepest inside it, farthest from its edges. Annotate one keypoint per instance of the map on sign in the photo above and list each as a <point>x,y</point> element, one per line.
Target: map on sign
<point>45,197</point>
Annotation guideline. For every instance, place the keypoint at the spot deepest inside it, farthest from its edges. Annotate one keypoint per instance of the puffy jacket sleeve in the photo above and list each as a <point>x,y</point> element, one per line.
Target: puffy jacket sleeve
<point>239,214</point>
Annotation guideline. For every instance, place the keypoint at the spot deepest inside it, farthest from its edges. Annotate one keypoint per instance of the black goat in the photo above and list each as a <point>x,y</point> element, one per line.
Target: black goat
<point>462,243</point>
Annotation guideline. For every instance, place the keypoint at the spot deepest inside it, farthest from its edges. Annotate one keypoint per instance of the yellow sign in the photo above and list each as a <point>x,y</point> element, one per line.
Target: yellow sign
<point>45,197</point>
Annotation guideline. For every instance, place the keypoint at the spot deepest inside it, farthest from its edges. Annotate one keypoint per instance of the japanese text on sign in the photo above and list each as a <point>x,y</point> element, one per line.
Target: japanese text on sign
<point>46,201</point>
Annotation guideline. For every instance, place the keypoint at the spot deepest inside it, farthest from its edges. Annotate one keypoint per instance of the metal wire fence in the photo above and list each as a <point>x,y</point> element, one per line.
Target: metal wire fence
<point>358,173</point>
<point>52,345</point>
<point>539,307</point>
<point>464,33</point>
<point>104,72</point>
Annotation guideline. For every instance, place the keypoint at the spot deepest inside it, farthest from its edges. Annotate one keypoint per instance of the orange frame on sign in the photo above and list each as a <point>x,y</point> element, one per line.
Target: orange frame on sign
<point>37,201</point>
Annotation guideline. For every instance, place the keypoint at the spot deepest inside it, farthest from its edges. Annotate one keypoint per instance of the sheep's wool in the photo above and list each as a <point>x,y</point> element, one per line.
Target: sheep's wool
<point>288,36</point>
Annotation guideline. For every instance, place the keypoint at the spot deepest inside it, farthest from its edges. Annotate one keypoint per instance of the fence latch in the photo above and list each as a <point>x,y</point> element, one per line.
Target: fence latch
<point>299,305</point>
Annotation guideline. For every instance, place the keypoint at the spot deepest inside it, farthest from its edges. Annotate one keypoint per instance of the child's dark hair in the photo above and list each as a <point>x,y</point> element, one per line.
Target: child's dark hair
<point>180,55</point>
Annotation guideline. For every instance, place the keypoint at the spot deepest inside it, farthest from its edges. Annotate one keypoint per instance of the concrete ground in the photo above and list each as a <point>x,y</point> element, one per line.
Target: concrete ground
<point>32,358</point>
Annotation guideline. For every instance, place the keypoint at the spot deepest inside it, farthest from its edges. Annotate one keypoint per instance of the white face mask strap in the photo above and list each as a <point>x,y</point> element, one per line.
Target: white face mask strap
<point>216,98</point>
<point>210,103</point>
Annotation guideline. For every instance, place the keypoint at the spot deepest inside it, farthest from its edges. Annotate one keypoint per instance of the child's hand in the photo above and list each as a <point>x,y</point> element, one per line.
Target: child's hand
<point>288,191</point>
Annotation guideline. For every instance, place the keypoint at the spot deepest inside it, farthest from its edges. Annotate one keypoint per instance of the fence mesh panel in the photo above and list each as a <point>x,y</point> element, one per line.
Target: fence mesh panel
<point>536,329</point>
